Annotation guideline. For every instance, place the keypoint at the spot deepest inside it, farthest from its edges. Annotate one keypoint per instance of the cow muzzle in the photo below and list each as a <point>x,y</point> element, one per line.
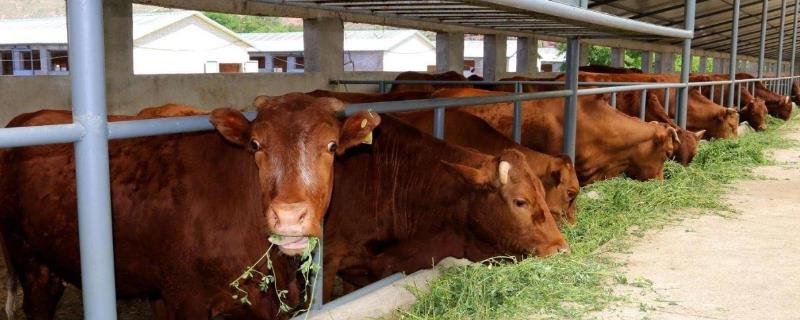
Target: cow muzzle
<point>290,225</point>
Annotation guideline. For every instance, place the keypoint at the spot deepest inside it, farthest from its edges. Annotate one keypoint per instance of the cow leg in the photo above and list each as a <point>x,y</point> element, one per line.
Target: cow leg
<point>160,310</point>
<point>42,289</point>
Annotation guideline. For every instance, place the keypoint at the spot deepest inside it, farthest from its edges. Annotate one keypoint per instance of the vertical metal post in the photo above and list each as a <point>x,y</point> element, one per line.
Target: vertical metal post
<point>571,102</point>
<point>643,104</point>
<point>87,72</point>
<point>318,278</point>
<point>517,130</point>
<point>711,96</point>
<point>764,13</point>
<point>780,46</point>
<point>739,97</point>
<point>614,100</point>
<point>382,86</point>
<point>722,96</point>
<point>686,60</point>
<point>438,123</point>
<point>794,41</point>
<point>734,46</point>
<point>666,101</point>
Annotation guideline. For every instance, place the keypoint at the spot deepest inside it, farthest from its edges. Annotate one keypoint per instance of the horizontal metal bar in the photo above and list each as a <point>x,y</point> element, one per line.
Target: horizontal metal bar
<point>40,135</point>
<point>422,104</point>
<point>637,87</point>
<point>588,17</point>
<point>161,126</point>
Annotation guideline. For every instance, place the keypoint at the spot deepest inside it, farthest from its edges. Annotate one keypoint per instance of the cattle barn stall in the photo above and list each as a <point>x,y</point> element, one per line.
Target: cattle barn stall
<point>100,82</point>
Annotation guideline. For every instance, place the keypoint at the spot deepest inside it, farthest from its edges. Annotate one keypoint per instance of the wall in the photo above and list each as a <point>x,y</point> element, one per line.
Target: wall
<point>26,94</point>
<point>184,47</point>
<point>363,61</point>
<point>414,54</point>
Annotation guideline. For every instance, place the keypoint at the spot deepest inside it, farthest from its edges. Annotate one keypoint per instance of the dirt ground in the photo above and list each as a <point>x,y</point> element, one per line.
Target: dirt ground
<point>746,266</point>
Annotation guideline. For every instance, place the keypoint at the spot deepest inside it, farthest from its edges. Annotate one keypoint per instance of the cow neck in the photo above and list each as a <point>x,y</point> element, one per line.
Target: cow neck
<point>413,161</point>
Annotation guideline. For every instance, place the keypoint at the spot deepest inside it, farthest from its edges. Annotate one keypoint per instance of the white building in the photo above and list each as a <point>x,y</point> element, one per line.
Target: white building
<point>364,50</point>
<point>163,43</point>
<point>549,57</point>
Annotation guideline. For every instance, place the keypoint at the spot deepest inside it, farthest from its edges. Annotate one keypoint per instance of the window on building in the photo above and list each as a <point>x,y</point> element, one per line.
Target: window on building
<point>262,61</point>
<point>299,63</point>
<point>469,65</point>
<point>30,59</point>
<point>547,67</point>
<point>280,63</point>
<point>59,60</point>
<point>7,62</point>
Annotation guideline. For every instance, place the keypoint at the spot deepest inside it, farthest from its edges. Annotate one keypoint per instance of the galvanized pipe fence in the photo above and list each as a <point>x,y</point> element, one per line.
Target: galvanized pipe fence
<point>90,131</point>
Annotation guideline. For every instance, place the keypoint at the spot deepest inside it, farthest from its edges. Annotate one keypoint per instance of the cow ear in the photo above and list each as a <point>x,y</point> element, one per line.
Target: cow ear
<point>357,129</point>
<point>555,174</point>
<point>469,174</point>
<point>260,101</point>
<point>699,134</point>
<point>231,124</point>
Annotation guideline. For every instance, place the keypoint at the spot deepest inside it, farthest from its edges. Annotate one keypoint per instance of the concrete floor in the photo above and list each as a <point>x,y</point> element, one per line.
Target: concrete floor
<point>742,267</point>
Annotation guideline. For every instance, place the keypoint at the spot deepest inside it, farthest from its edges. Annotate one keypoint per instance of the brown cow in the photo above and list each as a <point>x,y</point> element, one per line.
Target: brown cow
<point>413,75</point>
<point>779,106</point>
<point>796,91</point>
<point>360,97</point>
<point>556,172</point>
<point>596,68</point>
<point>628,103</point>
<point>190,211</point>
<point>685,146</point>
<point>702,113</point>
<point>170,110</point>
<point>417,200</point>
<point>753,111</point>
<point>639,149</point>
<point>561,189</point>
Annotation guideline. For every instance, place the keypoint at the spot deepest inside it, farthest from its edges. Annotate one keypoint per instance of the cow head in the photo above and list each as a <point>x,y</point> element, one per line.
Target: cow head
<point>561,199</point>
<point>293,141</point>
<point>509,211</point>
<point>648,160</point>
<point>796,92</point>
<point>686,147</point>
<point>755,113</point>
<point>784,109</point>
<point>729,123</point>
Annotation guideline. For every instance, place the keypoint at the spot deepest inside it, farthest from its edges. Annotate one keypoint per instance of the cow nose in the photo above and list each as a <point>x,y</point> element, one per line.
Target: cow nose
<point>288,218</point>
<point>565,250</point>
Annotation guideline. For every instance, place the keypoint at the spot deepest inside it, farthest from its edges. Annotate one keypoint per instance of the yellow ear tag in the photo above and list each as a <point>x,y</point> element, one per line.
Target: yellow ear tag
<point>363,123</point>
<point>367,139</point>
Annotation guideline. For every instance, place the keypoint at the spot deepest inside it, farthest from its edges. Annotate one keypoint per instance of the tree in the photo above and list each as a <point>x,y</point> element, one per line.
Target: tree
<point>600,55</point>
<point>246,24</point>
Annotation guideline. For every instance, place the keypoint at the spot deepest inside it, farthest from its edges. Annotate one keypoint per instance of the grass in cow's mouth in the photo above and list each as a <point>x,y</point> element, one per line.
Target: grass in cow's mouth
<point>265,281</point>
<point>572,286</point>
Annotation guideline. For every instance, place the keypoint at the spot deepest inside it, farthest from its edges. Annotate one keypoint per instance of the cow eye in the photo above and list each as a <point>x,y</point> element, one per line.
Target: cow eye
<point>255,145</point>
<point>520,202</point>
<point>332,147</point>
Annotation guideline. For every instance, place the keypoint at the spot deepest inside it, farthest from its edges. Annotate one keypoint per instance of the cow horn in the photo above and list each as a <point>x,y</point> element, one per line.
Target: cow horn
<point>674,134</point>
<point>503,169</point>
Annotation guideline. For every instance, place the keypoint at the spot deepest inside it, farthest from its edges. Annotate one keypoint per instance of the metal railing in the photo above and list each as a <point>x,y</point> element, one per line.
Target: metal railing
<point>439,105</point>
<point>91,132</point>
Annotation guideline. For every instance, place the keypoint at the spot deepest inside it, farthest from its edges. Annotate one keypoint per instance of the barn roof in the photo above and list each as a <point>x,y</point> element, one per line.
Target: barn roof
<point>53,30</point>
<point>354,40</point>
